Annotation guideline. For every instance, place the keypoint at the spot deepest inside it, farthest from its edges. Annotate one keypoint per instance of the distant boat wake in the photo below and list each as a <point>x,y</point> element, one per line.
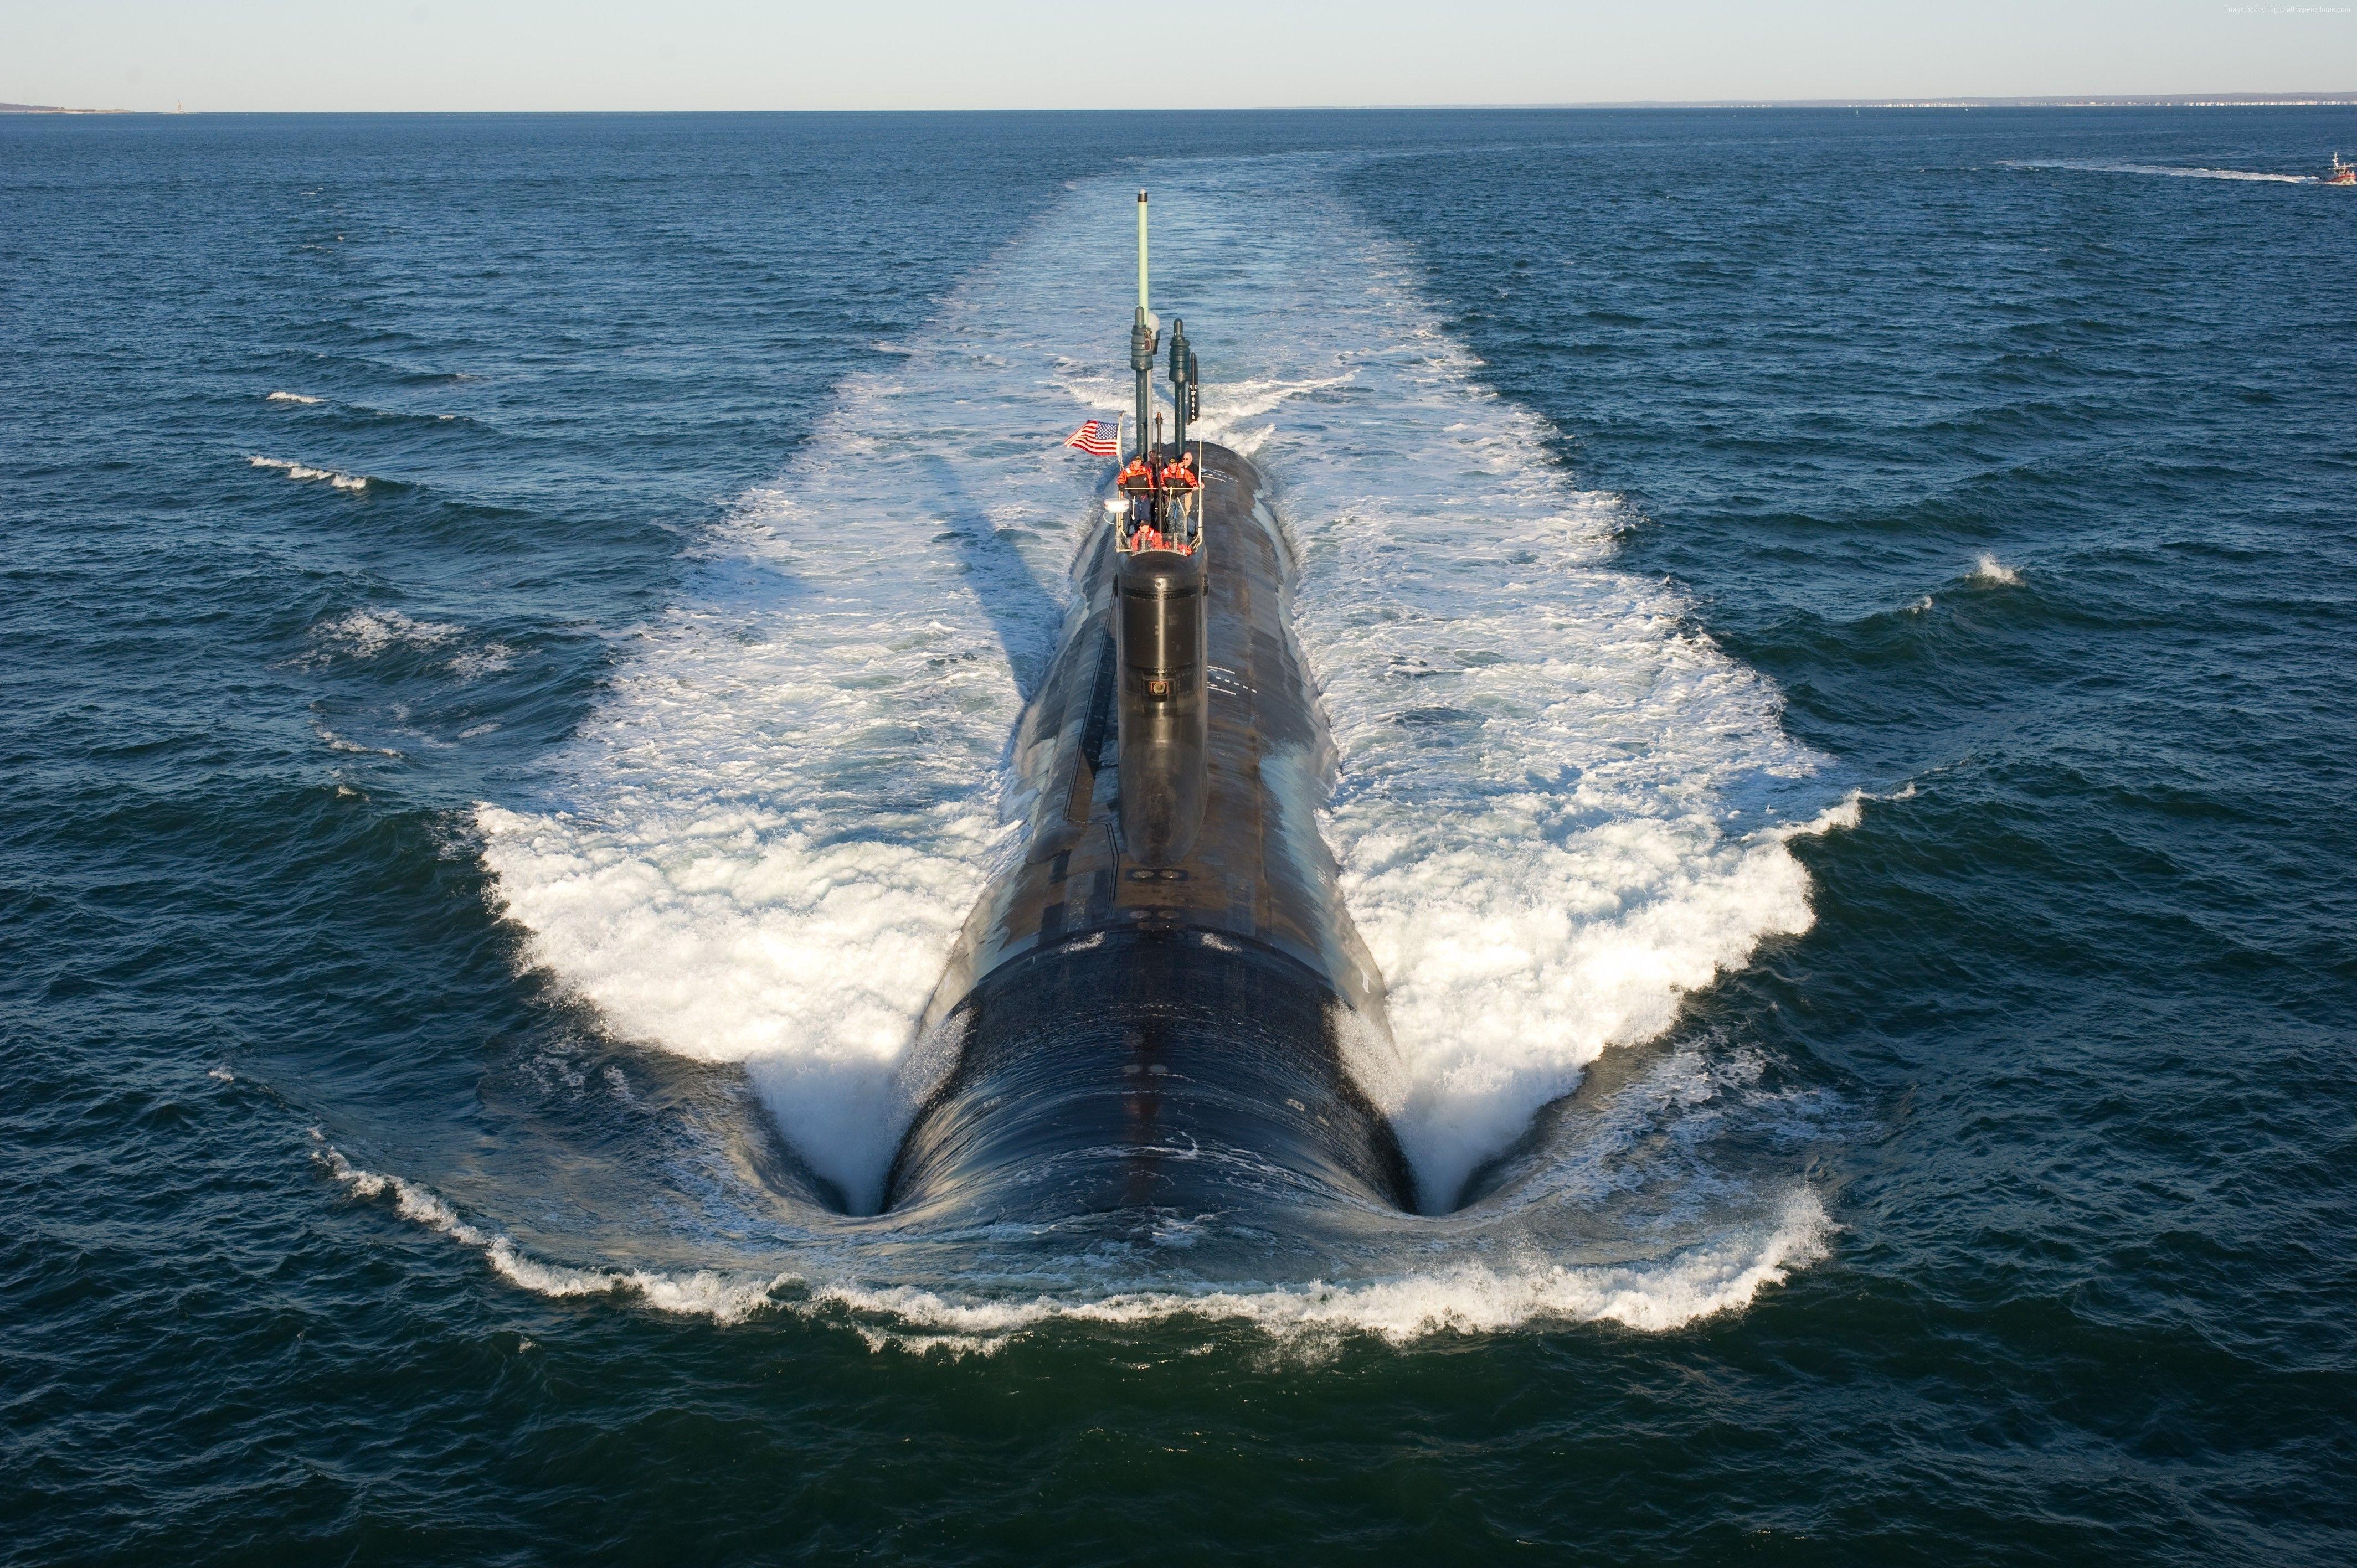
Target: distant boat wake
<point>1559,810</point>
<point>2170,171</point>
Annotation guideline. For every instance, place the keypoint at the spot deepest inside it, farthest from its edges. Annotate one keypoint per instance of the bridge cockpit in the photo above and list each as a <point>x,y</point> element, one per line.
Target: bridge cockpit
<point>1160,505</point>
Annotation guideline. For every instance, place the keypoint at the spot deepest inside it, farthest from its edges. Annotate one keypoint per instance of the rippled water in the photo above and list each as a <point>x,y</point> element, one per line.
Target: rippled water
<point>1834,626</point>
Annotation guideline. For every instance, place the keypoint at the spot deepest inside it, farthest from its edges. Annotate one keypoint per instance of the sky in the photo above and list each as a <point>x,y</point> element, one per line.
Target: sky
<point>277,55</point>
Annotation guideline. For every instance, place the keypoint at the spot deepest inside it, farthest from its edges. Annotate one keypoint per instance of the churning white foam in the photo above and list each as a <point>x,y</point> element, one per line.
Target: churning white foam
<point>477,663</point>
<point>1561,808</point>
<point>1466,1295</point>
<point>335,742</point>
<point>779,821</point>
<point>1989,570</point>
<point>304,471</point>
<point>289,397</point>
<point>370,631</point>
<point>701,1293</point>
<point>365,633</point>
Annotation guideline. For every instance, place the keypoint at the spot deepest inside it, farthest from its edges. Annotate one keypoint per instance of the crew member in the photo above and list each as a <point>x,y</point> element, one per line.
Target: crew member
<point>1178,486</point>
<point>1136,482</point>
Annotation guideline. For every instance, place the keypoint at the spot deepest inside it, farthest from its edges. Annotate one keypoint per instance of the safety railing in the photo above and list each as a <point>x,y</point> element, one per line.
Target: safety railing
<point>1168,518</point>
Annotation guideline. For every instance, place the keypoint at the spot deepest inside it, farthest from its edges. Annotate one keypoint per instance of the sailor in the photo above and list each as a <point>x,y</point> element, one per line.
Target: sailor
<point>1136,482</point>
<point>1138,479</point>
<point>1178,484</point>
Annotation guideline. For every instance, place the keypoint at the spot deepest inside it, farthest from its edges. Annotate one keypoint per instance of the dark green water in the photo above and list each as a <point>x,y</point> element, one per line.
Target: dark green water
<point>1991,470</point>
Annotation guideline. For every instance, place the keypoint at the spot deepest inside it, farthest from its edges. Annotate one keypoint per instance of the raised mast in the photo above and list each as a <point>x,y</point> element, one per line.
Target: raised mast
<point>1182,385</point>
<point>1142,344</point>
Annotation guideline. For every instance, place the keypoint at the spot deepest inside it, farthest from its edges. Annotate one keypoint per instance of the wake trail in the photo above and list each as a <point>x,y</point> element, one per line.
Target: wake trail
<point>1560,808</point>
<point>2166,171</point>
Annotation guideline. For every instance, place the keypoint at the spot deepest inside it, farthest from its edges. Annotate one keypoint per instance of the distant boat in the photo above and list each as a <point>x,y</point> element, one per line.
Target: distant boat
<point>2342,174</point>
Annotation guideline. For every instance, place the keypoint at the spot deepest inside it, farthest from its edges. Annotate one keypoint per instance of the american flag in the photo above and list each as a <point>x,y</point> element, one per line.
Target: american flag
<point>1091,438</point>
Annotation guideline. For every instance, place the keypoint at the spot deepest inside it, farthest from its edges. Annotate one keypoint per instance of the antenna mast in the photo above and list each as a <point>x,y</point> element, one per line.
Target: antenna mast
<point>1142,338</point>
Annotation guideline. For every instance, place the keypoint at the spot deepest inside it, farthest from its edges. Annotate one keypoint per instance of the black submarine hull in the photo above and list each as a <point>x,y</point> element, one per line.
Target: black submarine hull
<point>1163,1003</point>
<point>1148,1070</point>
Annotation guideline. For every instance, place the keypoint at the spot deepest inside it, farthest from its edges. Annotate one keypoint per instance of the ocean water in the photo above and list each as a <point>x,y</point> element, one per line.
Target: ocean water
<point>1835,625</point>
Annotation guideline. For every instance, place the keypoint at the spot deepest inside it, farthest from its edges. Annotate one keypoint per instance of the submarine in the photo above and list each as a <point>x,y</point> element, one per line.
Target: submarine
<point>1162,1003</point>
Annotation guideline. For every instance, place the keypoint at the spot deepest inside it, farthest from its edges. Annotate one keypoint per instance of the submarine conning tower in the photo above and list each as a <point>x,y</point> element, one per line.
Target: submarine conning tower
<point>1159,1006</point>
<point>1158,604</point>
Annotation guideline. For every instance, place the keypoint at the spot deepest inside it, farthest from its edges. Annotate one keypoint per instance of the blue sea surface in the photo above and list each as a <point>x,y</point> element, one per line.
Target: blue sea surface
<point>1967,507</point>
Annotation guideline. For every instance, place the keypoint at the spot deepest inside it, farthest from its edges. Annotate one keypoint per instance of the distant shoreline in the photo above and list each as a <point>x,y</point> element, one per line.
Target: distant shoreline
<point>2084,100</point>
<point>2090,101</point>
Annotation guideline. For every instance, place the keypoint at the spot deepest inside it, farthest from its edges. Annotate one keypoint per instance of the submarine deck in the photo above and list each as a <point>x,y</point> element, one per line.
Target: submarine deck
<point>1136,1037</point>
<point>1259,871</point>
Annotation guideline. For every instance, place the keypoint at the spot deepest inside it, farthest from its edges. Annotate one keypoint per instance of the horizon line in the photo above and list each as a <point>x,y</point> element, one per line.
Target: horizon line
<point>2040,101</point>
